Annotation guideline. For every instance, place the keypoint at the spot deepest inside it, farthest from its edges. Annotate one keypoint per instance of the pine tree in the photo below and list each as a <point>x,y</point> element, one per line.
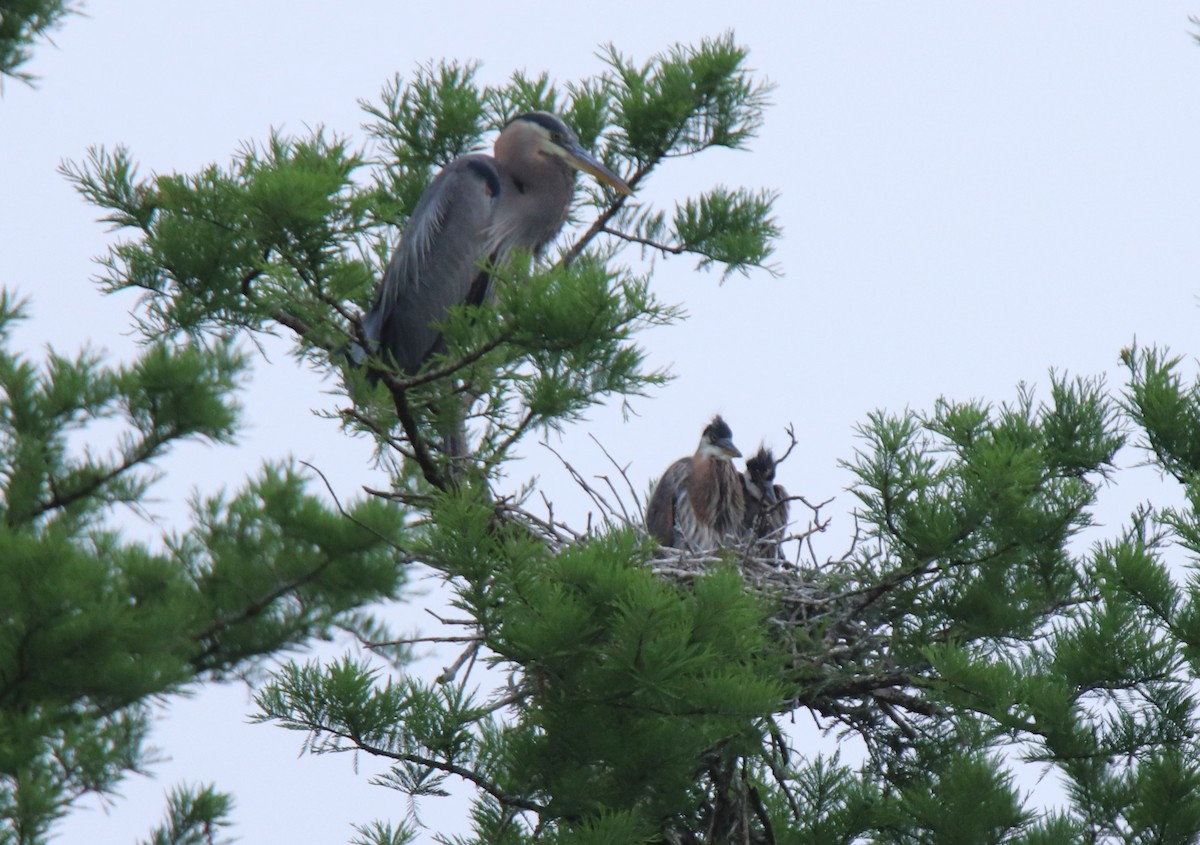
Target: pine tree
<point>641,695</point>
<point>95,625</point>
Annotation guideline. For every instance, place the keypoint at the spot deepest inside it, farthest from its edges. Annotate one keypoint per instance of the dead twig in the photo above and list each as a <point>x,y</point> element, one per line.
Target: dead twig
<point>449,673</point>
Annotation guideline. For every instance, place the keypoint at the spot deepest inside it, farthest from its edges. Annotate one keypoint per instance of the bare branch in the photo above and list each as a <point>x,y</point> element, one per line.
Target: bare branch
<point>624,474</point>
<point>601,222</point>
<point>605,508</point>
<point>469,653</point>
<point>646,242</point>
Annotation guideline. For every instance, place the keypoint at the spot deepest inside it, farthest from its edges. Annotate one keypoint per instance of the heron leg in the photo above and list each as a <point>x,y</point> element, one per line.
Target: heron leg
<point>452,428</point>
<point>454,439</point>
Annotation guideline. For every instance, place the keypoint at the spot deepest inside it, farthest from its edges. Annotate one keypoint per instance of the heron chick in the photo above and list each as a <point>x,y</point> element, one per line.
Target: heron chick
<point>766,514</point>
<point>473,213</point>
<point>698,503</point>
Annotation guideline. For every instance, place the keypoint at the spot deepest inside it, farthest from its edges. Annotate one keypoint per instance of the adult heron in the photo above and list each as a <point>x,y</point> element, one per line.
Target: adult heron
<point>766,515</point>
<point>698,504</point>
<point>474,212</point>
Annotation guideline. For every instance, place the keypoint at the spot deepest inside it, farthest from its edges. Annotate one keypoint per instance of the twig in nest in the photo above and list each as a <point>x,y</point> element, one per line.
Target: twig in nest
<point>617,496</point>
<point>624,475</point>
<point>596,496</point>
<point>791,433</point>
<point>559,534</point>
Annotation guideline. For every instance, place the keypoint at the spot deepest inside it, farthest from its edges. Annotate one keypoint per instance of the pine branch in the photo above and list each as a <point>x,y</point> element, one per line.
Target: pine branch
<point>466,774</point>
<point>145,451</point>
<point>678,249</point>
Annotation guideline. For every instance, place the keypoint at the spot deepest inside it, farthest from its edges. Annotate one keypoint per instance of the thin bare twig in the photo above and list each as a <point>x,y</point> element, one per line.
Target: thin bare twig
<point>668,249</point>
<point>449,672</point>
<point>598,225</point>
<point>506,701</point>
<point>594,494</point>
<point>624,474</point>
<point>409,558</point>
<point>415,640</point>
<point>444,621</point>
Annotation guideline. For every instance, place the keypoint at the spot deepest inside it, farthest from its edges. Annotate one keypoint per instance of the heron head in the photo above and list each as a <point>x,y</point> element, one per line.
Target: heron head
<point>717,441</point>
<point>760,474</point>
<point>552,137</point>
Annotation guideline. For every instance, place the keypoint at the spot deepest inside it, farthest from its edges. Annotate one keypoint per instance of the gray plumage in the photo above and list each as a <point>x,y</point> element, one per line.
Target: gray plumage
<point>476,211</point>
<point>766,512</point>
<point>698,504</point>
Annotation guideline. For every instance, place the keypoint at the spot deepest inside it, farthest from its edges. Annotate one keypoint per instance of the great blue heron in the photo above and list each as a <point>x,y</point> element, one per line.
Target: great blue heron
<point>475,211</point>
<point>698,503</point>
<point>766,515</point>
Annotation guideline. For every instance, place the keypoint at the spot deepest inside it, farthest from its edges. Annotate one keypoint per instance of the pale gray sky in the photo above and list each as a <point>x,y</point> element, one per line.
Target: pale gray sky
<point>972,193</point>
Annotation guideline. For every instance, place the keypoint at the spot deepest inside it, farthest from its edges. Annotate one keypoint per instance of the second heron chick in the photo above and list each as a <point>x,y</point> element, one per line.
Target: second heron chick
<point>766,513</point>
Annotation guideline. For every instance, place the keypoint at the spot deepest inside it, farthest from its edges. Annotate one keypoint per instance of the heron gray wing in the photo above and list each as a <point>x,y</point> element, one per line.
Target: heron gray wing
<point>779,515</point>
<point>767,520</point>
<point>661,512</point>
<point>437,262</point>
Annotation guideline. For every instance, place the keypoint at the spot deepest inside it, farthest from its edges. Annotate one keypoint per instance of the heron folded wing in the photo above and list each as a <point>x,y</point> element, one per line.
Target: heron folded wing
<point>662,512</point>
<point>437,262</point>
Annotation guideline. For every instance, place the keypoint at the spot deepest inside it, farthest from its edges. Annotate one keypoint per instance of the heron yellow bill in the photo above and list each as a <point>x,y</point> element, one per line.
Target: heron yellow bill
<point>581,159</point>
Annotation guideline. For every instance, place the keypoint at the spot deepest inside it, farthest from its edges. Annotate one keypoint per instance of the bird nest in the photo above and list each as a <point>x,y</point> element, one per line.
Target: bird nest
<point>835,627</point>
<point>811,608</point>
<point>799,595</point>
<point>802,591</point>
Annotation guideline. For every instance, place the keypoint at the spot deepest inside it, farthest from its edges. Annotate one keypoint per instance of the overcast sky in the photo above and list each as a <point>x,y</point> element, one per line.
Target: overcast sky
<point>971,194</point>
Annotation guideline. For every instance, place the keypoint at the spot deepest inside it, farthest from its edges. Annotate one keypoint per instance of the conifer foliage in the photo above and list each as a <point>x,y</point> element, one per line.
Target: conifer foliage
<point>23,23</point>
<point>632,694</point>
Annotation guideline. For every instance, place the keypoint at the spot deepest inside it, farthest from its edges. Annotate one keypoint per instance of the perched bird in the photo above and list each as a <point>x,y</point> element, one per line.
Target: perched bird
<point>766,514</point>
<point>475,211</point>
<point>698,503</point>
